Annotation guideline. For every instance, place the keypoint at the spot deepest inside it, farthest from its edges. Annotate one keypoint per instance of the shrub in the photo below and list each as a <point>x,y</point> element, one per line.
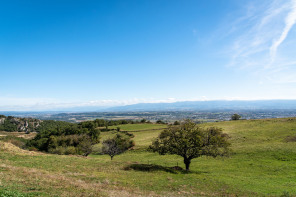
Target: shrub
<point>235,117</point>
<point>70,150</point>
<point>57,150</point>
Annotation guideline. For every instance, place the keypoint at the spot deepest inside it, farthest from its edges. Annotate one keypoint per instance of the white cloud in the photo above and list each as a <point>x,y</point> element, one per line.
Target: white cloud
<point>262,41</point>
<point>289,22</point>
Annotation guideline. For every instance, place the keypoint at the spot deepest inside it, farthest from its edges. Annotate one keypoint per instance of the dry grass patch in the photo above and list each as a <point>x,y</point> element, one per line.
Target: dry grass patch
<point>8,147</point>
<point>27,136</point>
<point>60,184</point>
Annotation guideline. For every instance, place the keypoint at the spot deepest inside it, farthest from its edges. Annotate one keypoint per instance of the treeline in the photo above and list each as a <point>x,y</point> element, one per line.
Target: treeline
<point>6,124</point>
<point>65,138</point>
<point>11,124</point>
<point>14,124</point>
<point>61,137</point>
<point>106,123</point>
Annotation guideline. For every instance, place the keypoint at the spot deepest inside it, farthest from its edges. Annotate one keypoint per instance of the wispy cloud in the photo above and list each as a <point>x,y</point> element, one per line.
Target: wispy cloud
<point>262,41</point>
<point>289,22</point>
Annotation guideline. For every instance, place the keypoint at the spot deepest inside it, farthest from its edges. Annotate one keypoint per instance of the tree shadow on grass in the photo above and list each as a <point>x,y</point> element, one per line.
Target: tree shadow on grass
<point>154,167</point>
<point>150,168</point>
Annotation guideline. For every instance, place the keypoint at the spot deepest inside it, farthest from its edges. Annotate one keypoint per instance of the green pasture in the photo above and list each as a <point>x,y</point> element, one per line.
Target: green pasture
<point>138,127</point>
<point>262,163</point>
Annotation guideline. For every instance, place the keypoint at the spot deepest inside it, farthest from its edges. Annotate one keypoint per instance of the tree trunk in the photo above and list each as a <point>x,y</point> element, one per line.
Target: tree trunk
<point>112,157</point>
<point>85,154</point>
<point>187,163</point>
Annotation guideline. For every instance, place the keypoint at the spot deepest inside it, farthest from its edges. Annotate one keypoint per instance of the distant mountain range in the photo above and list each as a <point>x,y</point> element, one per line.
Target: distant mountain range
<point>217,105</point>
<point>207,105</point>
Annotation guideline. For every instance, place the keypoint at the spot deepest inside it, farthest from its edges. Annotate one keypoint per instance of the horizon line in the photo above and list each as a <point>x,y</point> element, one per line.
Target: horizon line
<point>70,108</point>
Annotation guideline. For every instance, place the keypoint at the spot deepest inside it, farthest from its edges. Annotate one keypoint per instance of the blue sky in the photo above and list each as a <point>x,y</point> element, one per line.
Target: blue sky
<point>56,54</point>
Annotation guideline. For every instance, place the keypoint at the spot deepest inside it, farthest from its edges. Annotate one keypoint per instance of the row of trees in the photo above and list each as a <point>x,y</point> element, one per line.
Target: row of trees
<point>59,137</point>
<point>65,138</point>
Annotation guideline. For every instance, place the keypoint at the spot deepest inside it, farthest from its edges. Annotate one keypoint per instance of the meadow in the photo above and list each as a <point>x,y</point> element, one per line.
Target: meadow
<point>262,163</point>
<point>139,127</point>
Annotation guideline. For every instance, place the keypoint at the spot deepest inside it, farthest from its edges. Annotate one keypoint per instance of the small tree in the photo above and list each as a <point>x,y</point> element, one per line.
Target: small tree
<point>235,117</point>
<point>176,123</point>
<point>85,145</point>
<point>117,145</point>
<point>106,125</point>
<point>160,122</point>
<point>94,134</point>
<point>190,141</point>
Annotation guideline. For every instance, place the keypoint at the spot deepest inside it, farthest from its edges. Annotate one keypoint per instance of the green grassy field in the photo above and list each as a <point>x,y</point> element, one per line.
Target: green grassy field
<point>139,127</point>
<point>262,163</point>
<point>144,133</point>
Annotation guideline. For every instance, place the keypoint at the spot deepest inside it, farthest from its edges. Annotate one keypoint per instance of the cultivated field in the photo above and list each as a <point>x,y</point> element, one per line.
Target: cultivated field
<point>263,163</point>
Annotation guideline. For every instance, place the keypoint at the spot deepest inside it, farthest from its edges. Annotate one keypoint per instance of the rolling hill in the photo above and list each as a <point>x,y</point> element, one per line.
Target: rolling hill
<point>262,163</point>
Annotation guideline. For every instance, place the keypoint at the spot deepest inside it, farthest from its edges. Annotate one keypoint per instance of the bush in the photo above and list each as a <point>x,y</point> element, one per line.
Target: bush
<point>17,141</point>
<point>57,150</point>
<point>160,122</point>
<point>176,123</point>
<point>235,117</point>
<point>128,134</point>
<point>70,150</point>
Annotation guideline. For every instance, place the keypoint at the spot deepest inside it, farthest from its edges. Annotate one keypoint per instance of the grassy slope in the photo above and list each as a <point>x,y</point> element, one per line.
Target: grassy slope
<point>138,127</point>
<point>142,138</point>
<point>262,164</point>
<point>18,134</point>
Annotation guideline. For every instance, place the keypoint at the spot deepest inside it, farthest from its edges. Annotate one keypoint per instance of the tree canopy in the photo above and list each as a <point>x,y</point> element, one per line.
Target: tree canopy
<point>65,138</point>
<point>235,117</point>
<point>117,145</point>
<point>190,141</point>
